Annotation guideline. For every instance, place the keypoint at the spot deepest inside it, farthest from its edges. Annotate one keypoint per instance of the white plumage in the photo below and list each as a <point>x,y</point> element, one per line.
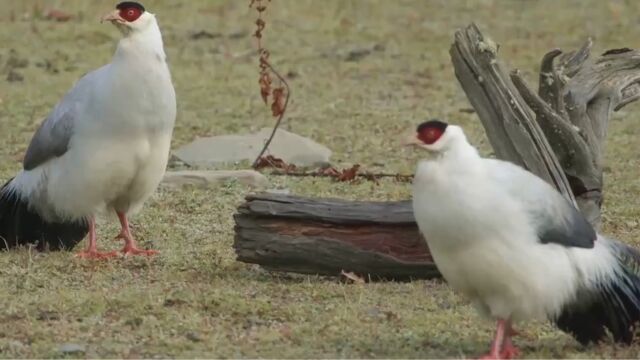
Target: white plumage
<point>105,146</point>
<point>516,248</point>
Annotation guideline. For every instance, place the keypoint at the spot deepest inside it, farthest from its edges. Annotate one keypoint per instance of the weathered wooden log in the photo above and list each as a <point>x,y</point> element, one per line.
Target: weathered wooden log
<point>557,133</point>
<point>325,236</point>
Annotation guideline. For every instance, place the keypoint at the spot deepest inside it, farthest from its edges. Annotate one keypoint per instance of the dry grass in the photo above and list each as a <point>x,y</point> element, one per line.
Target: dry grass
<point>194,300</point>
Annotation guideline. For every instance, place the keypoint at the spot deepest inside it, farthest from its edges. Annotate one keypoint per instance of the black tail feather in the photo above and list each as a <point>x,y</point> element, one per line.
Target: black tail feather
<point>20,225</point>
<point>614,306</point>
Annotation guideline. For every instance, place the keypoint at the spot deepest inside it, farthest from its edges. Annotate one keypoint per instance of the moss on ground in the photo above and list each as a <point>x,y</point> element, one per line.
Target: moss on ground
<point>194,300</point>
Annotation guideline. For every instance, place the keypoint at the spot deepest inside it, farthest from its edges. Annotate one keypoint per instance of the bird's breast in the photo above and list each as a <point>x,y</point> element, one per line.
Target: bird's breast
<point>140,97</point>
<point>454,209</point>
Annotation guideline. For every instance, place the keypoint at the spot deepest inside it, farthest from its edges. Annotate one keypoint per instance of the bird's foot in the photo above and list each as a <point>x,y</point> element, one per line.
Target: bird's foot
<point>132,250</point>
<point>96,255</point>
<point>509,352</point>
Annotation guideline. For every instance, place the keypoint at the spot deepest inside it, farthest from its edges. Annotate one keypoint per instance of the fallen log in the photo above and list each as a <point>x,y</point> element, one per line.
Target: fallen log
<point>325,236</point>
<point>557,133</point>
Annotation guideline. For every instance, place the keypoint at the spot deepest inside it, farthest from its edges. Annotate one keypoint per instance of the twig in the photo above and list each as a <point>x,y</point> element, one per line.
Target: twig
<point>365,175</point>
<point>277,124</point>
<point>279,106</point>
<point>344,175</point>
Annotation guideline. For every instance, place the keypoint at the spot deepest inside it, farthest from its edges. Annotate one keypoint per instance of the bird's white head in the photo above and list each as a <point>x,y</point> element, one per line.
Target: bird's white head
<point>435,136</point>
<point>130,17</point>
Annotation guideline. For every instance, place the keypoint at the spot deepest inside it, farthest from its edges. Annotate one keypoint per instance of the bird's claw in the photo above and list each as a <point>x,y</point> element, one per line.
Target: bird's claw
<point>509,352</point>
<point>132,250</point>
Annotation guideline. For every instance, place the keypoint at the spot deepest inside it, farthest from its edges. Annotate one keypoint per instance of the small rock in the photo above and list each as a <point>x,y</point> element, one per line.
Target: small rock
<point>357,54</point>
<point>16,345</point>
<point>374,313</point>
<point>290,147</point>
<point>169,302</point>
<point>175,163</point>
<point>207,178</point>
<point>15,61</point>
<point>193,336</point>
<point>134,322</point>
<point>14,76</point>
<point>379,47</point>
<point>71,348</point>
<point>46,315</point>
<point>202,34</point>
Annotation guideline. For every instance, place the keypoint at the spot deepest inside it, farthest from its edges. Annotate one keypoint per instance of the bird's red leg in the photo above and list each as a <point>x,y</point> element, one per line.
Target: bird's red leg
<point>496,345</point>
<point>130,247</point>
<point>508,350</point>
<point>91,251</point>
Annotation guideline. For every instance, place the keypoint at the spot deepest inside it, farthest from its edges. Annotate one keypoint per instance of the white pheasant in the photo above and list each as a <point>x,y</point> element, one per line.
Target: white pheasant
<point>104,146</point>
<point>511,244</point>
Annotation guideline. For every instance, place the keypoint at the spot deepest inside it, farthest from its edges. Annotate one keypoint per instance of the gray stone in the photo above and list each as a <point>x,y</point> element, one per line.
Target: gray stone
<point>290,147</point>
<point>285,191</point>
<point>71,348</point>
<point>16,345</point>
<point>206,178</point>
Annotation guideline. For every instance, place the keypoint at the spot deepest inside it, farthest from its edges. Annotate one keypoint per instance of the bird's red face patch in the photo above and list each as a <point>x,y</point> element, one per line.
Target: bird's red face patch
<point>130,10</point>
<point>431,131</point>
<point>130,14</point>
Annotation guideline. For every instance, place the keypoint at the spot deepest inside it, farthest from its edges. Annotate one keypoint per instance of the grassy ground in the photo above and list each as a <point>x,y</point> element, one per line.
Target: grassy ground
<point>194,300</point>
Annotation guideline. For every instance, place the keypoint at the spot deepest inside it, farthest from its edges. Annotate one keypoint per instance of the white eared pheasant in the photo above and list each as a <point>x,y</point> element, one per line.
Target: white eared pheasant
<point>518,250</point>
<point>104,146</point>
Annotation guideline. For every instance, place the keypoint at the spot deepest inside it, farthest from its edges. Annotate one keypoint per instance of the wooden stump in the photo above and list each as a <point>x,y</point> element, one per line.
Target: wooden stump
<point>558,133</point>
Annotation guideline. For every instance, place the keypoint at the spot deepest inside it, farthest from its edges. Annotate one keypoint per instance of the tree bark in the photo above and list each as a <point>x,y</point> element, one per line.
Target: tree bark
<point>557,133</point>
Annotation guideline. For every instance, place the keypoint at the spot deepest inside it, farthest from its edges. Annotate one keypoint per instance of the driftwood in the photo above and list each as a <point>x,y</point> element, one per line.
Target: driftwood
<point>557,133</point>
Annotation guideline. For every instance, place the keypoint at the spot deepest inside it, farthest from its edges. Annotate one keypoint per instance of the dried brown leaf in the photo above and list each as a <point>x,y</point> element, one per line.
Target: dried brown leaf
<point>271,161</point>
<point>329,171</point>
<point>265,86</point>
<point>349,174</point>
<point>277,108</point>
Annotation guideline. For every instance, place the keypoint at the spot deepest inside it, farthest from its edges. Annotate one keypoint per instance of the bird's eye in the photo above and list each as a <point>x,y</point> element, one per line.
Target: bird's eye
<point>430,135</point>
<point>130,14</point>
<point>431,131</point>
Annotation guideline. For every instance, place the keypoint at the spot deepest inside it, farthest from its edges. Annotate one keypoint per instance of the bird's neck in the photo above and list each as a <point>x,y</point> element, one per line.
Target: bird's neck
<point>461,155</point>
<point>145,46</point>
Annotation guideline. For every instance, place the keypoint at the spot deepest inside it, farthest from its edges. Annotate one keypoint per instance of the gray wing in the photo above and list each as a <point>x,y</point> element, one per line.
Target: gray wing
<point>54,134</point>
<point>556,220</point>
<point>52,137</point>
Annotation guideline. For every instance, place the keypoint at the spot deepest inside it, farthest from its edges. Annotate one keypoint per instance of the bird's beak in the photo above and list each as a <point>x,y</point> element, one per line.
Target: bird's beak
<point>113,17</point>
<point>411,140</point>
